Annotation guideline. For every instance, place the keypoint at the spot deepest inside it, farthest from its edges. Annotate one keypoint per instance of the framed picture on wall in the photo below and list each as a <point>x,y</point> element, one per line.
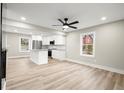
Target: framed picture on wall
<point>24,44</point>
<point>87,44</point>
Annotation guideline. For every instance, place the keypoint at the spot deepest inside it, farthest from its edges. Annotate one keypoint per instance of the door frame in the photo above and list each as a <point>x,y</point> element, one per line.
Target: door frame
<point>0,44</point>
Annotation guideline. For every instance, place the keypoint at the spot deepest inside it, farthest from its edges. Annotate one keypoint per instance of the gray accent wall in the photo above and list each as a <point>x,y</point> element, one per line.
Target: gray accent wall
<point>13,45</point>
<point>109,45</point>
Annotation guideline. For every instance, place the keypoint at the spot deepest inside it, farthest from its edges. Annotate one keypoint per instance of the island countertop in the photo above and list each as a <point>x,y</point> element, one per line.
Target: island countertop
<point>39,50</point>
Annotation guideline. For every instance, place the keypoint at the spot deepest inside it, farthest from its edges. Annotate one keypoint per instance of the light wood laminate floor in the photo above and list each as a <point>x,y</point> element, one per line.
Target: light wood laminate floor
<point>23,74</point>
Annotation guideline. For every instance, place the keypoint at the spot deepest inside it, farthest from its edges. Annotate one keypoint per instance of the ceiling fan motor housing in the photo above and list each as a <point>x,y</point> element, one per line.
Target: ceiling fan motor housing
<point>66,19</point>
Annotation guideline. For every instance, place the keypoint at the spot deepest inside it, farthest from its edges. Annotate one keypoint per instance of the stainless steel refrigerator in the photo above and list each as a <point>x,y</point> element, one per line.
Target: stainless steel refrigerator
<point>36,44</point>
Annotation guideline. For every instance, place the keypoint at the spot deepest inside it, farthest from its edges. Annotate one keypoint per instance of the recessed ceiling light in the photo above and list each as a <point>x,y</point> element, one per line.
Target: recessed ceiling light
<point>23,18</point>
<point>103,18</point>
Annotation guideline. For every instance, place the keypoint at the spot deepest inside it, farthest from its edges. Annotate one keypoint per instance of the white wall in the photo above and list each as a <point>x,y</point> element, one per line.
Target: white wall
<point>109,47</point>
<point>13,45</point>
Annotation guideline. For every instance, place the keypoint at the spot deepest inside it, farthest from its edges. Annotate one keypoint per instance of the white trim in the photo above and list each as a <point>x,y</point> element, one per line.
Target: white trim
<point>81,53</point>
<point>98,66</point>
<point>19,56</point>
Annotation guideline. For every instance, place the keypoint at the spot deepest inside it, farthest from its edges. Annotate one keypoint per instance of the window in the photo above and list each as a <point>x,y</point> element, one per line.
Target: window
<point>87,44</point>
<point>24,44</point>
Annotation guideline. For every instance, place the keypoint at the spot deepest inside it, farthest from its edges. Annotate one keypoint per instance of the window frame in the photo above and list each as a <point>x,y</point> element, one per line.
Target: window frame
<point>29,46</point>
<point>81,44</point>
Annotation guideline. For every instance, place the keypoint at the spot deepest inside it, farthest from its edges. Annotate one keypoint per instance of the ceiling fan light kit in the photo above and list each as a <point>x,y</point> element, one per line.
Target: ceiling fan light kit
<point>65,27</point>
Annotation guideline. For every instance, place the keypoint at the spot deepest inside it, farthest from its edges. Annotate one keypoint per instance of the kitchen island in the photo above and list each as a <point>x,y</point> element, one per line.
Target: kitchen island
<point>39,56</point>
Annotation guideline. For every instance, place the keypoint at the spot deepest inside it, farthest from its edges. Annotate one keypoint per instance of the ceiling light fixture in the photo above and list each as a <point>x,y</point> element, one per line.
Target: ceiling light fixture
<point>23,18</point>
<point>103,18</point>
<point>65,27</point>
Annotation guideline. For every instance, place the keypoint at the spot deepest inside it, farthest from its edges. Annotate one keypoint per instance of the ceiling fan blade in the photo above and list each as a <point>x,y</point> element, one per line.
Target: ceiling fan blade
<point>75,22</point>
<point>61,21</point>
<point>57,25</point>
<point>73,27</point>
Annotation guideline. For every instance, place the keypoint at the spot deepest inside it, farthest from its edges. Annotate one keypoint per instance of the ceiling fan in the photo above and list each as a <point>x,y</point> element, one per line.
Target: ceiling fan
<point>66,25</point>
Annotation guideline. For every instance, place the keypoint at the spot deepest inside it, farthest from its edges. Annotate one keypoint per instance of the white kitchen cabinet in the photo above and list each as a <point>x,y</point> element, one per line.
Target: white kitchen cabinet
<point>59,39</point>
<point>37,37</point>
<point>58,54</point>
<point>52,38</point>
<point>39,56</point>
<point>46,40</point>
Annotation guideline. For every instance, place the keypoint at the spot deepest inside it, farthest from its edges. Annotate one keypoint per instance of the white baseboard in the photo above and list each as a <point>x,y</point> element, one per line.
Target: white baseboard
<point>19,56</point>
<point>120,71</point>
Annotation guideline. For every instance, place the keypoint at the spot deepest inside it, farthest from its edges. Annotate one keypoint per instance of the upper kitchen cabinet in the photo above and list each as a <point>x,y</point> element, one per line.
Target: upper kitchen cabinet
<point>37,37</point>
<point>59,39</point>
<point>45,40</point>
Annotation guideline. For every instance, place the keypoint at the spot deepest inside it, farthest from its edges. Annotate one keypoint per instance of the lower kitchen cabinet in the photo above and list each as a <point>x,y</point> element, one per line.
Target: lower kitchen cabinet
<point>58,54</point>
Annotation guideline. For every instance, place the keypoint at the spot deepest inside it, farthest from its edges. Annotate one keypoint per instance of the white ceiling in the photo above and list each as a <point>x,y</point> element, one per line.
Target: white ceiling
<point>13,26</point>
<point>46,14</point>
